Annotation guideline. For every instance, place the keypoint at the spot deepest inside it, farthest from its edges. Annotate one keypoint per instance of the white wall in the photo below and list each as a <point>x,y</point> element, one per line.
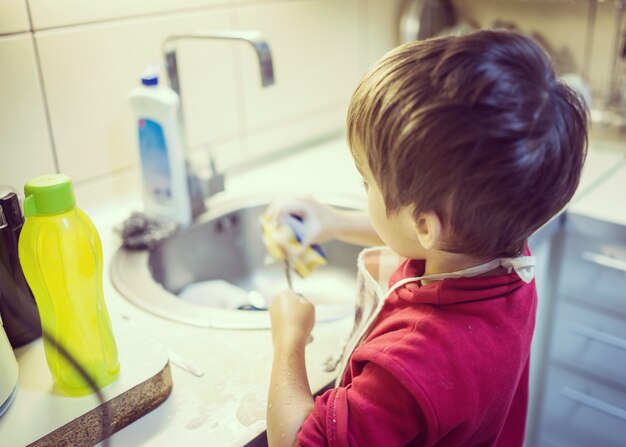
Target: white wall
<point>25,144</point>
<point>563,24</point>
<point>13,16</point>
<point>68,66</point>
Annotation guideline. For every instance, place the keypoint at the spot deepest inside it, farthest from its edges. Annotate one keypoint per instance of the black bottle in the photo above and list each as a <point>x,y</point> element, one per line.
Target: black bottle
<point>17,305</point>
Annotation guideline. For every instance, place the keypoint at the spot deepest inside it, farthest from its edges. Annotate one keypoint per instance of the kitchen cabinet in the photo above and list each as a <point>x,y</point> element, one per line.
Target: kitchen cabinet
<point>541,244</point>
<point>583,395</point>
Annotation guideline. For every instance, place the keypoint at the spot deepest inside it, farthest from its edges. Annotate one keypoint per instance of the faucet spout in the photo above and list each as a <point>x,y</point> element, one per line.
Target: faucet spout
<point>201,185</point>
<point>254,38</point>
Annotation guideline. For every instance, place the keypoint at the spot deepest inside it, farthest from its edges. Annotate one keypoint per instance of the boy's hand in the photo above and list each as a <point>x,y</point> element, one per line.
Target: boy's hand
<point>293,317</point>
<point>321,222</point>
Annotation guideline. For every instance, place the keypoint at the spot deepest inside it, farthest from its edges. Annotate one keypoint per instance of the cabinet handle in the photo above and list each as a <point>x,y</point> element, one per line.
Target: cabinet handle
<point>605,261</point>
<point>592,402</point>
<point>599,336</point>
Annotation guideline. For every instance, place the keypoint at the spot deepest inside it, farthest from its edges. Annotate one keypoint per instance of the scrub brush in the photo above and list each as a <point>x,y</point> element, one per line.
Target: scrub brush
<point>283,242</point>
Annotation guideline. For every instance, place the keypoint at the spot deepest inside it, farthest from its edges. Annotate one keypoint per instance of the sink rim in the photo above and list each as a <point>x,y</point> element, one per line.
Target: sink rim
<point>166,305</point>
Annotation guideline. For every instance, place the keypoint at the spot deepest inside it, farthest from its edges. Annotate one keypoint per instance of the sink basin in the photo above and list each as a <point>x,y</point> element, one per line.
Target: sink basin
<point>215,273</point>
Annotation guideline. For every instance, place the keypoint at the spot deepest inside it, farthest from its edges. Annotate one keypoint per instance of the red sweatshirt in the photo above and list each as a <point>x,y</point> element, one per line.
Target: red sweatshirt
<point>446,364</point>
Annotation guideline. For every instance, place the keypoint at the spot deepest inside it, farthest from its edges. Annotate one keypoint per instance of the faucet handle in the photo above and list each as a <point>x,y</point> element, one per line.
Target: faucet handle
<point>204,182</point>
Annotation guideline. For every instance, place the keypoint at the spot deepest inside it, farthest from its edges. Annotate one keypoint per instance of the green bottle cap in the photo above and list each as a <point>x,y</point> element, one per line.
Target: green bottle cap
<point>48,194</point>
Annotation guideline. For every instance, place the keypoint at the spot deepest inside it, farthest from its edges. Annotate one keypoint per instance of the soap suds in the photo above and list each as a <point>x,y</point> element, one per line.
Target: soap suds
<point>200,420</point>
<point>251,409</point>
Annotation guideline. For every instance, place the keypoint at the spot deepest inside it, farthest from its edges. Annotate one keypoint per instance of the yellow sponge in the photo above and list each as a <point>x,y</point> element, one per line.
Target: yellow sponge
<point>282,243</point>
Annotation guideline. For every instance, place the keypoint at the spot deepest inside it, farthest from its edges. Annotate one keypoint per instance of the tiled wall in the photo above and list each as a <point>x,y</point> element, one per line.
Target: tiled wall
<point>68,66</point>
<point>564,25</point>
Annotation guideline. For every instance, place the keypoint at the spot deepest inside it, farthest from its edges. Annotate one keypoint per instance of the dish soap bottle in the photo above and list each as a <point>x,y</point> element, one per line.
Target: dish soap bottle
<point>17,304</point>
<point>161,150</point>
<point>61,256</point>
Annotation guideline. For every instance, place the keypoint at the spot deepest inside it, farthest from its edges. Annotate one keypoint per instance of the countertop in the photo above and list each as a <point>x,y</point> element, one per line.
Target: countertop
<point>607,200</point>
<point>142,384</point>
<point>226,406</point>
<point>599,209</point>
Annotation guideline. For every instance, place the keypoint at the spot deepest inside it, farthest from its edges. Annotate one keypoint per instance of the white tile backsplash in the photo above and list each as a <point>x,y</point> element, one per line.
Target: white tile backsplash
<point>13,16</point>
<point>90,54</point>
<point>383,17</point>
<point>210,89</point>
<point>315,52</point>
<point>88,72</point>
<point>57,13</point>
<point>316,125</point>
<point>25,145</point>
<point>316,49</point>
<point>562,24</point>
<point>105,191</point>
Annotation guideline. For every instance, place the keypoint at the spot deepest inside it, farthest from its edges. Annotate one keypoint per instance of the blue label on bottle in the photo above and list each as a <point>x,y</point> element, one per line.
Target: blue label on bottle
<point>154,160</point>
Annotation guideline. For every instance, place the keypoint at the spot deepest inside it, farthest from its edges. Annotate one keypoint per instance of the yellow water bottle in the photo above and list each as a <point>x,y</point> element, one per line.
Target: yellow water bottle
<point>61,255</point>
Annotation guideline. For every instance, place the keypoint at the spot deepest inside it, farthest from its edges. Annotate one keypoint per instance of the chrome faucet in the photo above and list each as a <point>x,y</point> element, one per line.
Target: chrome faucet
<point>201,185</point>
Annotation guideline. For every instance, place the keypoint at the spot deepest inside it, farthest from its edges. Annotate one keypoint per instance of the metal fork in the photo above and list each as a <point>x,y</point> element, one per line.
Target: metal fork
<point>288,273</point>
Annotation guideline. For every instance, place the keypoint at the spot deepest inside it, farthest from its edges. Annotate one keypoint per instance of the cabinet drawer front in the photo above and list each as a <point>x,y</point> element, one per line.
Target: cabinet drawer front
<point>548,441</point>
<point>594,273</point>
<point>579,413</point>
<point>592,341</point>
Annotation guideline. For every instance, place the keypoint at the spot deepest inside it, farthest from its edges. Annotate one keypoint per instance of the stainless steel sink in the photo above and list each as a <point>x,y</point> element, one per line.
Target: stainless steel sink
<point>222,253</point>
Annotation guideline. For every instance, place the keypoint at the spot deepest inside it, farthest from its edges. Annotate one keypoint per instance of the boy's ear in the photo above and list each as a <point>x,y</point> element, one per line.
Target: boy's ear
<point>428,226</point>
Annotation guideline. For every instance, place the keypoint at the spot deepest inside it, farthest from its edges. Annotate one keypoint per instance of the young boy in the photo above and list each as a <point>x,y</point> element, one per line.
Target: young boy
<point>466,145</point>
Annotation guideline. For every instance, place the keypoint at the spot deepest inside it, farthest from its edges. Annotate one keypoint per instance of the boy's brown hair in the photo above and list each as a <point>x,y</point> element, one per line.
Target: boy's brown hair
<point>475,128</point>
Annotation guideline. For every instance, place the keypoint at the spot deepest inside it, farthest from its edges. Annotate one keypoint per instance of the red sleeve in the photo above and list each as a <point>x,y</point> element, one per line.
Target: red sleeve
<point>375,409</point>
